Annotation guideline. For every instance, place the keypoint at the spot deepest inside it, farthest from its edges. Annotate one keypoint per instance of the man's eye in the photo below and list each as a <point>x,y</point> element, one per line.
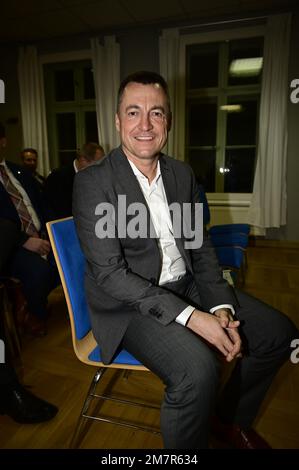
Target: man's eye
<point>157,114</point>
<point>132,113</point>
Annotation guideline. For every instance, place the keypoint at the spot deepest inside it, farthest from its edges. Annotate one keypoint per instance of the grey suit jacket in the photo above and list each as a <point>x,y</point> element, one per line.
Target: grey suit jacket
<point>122,273</point>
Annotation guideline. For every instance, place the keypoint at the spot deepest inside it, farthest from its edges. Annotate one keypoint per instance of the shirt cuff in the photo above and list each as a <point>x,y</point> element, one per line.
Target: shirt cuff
<point>184,316</point>
<point>213,310</point>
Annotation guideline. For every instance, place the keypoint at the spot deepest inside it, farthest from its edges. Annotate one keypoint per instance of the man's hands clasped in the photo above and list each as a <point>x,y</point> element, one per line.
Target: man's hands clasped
<point>219,329</point>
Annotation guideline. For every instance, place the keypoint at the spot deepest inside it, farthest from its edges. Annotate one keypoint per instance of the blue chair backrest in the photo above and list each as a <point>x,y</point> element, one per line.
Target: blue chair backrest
<point>230,228</point>
<point>230,256</point>
<point>229,239</point>
<point>73,266</point>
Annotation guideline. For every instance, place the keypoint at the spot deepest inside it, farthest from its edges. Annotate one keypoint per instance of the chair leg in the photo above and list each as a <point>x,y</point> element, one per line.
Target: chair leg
<point>89,397</point>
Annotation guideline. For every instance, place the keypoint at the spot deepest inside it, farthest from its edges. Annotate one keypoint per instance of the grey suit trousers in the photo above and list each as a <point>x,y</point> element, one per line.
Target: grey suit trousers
<point>190,368</point>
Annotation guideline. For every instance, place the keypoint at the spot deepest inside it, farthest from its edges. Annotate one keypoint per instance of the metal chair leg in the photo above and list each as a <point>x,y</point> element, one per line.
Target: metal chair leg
<point>89,397</point>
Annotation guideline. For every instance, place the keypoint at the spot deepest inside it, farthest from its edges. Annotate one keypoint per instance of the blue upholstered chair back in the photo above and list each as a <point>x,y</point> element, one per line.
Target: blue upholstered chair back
<point>73,265</point>
<point>72,262</point>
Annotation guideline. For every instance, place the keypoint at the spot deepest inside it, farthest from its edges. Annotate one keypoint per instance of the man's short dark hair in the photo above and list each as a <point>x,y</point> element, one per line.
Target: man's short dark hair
<point>2,131</point>
<point>145,78</point>
<point>88,150</point>
<point>29,150</point>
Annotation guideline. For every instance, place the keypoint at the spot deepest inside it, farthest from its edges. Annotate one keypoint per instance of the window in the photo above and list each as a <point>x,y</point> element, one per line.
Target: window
<point>223,81</point>
<point>71,112</point>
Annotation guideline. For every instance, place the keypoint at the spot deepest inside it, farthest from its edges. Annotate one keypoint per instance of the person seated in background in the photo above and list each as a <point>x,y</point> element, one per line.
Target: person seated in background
<point>29,158</point>
<point>59,184</point>
<point>22,202</point>
<point>15,400</point>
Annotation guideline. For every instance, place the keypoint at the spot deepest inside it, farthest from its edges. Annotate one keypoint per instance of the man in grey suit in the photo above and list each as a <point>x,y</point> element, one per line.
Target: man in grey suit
<point>162,298</point>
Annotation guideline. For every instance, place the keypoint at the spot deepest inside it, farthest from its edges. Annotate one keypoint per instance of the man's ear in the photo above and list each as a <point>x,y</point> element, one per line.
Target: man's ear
<point>117,122</point>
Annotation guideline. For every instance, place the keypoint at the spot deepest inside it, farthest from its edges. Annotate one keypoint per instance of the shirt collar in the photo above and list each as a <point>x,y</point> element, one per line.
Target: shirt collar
<point>140,175</point>
<point>75,166</point>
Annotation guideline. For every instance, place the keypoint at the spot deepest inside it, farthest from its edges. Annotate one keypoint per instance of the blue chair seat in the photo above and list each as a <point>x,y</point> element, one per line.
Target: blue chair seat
<point>123,357</point>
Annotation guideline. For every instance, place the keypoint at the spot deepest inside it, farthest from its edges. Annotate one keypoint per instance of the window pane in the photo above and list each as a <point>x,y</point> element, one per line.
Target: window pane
<point>245,72</point>
<point>241,126</point>
<point>241,164</point>
<point>66,158</point>
<point>203,65</point>
<point>66,131</point>
<point>89,93</point>
<point>203,165</point>
<point>202,123</point>
<point>91,127</point>
<point>64,85</point>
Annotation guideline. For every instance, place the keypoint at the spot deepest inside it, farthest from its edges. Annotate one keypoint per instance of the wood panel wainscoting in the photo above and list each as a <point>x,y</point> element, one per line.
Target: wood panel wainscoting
<point>54,373</point>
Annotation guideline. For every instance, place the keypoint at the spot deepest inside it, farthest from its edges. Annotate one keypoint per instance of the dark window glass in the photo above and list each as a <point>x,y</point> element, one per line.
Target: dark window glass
<point>89,93</point>
<point>203,66</point>
<point>66,158</point>
<point>202,124</point>
<point>66,131</point>
<point>241,165</point>
<point>241,126</point>
<point>91,128</point>
<point>64,85</point>
<point>245,49</point>
<point>203,165</point>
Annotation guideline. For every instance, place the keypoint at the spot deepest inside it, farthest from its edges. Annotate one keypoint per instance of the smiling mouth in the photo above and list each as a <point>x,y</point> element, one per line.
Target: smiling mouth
<point>147,138</point>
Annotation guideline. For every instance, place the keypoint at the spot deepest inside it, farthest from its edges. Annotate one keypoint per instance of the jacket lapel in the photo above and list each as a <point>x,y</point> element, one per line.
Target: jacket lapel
<point>130,186</point>
<point>171,190</point>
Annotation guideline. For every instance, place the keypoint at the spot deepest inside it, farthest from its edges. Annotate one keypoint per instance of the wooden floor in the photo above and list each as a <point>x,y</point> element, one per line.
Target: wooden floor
<point>54,373</point>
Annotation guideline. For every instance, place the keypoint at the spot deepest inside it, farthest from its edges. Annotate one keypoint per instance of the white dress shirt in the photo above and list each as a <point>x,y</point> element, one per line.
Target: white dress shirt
<point>24,195</point>
<point>173,264</point>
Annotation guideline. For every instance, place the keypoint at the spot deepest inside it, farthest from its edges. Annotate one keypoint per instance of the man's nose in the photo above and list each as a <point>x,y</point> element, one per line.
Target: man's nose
<point>145,122</point>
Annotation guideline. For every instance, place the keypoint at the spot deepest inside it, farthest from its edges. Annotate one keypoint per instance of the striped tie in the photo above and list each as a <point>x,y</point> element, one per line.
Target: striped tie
<point>23,213</point>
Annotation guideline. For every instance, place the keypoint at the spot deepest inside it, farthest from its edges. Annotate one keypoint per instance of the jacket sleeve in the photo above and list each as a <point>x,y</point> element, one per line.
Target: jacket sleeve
<point>105,256</point>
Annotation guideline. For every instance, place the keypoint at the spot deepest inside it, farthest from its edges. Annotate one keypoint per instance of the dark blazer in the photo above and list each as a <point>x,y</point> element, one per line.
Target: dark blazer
<point>122,273</point>
<point>9,238</point>
<point>58,191</point>
<point>7,208</point>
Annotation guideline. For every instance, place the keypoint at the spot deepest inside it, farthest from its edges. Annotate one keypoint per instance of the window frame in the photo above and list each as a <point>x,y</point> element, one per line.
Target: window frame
<point>219,198</point>
<point>62,60</point>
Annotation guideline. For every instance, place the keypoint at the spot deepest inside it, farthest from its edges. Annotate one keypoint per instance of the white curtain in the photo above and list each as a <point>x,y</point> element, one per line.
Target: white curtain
<point>105,62</point>
<point>169,48</point>
<point>33,108</point>
<point>269,198</point>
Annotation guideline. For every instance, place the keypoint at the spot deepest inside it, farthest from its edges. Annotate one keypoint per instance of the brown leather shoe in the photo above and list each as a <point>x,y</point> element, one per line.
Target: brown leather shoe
<point>236,437</point>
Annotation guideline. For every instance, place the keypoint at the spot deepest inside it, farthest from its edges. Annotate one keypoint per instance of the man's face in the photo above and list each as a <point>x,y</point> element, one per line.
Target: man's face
<point>142,121</point>
<point>30,161</point>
